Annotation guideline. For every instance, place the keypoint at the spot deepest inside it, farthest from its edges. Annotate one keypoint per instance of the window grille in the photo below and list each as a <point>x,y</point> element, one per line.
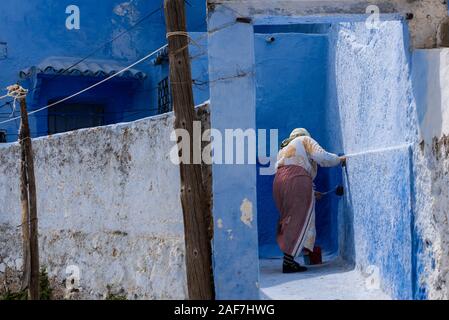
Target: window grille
<point>164,96</point>
<point>74,116</point>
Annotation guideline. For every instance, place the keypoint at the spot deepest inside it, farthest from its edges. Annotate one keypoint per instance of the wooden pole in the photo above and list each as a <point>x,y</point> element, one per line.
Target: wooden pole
<point>29,208</point>
<point>194,205</point>
<point>25,214</point>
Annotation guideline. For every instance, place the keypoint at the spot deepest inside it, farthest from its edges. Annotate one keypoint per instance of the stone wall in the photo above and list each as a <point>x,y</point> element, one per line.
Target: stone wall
<point>108,204</point>
<point>431,159</point>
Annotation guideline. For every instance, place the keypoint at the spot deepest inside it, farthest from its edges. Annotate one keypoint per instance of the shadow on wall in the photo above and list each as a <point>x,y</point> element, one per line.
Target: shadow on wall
<point>344,218</point>
<point>427,86</point>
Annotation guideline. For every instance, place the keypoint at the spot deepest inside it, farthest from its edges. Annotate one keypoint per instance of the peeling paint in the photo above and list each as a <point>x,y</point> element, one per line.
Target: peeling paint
<point>230,235</point>
<point>246,209</point>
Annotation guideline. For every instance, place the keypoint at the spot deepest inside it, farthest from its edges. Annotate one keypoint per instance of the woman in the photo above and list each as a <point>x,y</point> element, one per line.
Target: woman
<point>296,168</point>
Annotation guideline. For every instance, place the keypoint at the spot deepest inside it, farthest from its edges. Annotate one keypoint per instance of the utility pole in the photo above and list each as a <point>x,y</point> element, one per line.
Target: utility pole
<point>30,245</point>
<point>194,205</point>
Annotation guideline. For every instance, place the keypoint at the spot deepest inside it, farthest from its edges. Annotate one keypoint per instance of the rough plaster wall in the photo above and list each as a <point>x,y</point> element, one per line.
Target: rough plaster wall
<point>378,189</point>
<point>373,88</point>
<point>108,202</point>
<point>417,112</point>
<point>431,159</point>
<point>431,181</point>
<point>373,95</point>
<point>424,27</point>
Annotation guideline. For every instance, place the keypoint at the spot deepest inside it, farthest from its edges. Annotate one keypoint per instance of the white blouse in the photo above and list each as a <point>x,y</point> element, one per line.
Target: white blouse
<point>306,152</point>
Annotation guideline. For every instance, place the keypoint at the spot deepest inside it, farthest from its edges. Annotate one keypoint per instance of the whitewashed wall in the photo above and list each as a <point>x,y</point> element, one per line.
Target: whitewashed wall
<point>108,203</point>
<point>431,158</point>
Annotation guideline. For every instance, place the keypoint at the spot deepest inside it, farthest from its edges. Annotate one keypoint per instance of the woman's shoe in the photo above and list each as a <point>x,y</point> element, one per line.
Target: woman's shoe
<point>292,267</point>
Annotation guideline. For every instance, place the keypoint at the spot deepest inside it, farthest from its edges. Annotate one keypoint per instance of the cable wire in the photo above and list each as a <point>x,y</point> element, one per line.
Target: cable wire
<point>90,87</point>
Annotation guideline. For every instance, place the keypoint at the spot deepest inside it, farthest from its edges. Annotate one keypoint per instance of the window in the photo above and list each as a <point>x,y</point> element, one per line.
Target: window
<point>164,97</point>
<point>74,116</point>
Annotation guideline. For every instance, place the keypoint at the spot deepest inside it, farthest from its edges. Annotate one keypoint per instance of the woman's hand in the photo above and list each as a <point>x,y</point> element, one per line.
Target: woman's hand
<point>318,195</point>
<point>343,161</point>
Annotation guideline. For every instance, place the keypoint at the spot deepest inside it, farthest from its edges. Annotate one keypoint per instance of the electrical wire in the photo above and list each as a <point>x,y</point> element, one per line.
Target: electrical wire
<point>61,73</point>
<point>90,87</point>
<point>201,83</point>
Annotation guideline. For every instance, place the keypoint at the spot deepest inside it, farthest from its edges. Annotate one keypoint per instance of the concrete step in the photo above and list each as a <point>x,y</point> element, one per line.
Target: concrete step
<point>334,280</point>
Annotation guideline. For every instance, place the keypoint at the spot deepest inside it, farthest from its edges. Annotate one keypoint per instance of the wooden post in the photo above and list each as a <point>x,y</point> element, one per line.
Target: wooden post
<point>193,197</point>
<point>29,209</point>
<point>25,214</point>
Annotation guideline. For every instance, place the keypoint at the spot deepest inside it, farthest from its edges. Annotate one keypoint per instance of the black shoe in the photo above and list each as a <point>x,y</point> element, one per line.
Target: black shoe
<point>292,268</point>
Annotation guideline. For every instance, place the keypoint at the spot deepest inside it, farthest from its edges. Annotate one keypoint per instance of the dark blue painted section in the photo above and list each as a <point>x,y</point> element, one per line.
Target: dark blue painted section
<point>298,100</point>
<point>309,28</point>
<point>419,291</point>
<point>116,96</point>
<point>35,30</point>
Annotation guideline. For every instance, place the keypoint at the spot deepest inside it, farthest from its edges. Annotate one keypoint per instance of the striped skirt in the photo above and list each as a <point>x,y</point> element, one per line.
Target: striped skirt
<point>295,200</point>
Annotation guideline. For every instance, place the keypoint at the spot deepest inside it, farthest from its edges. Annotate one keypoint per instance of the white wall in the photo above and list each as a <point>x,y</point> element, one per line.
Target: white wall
<point>108,202</point>
<point>431,158</point>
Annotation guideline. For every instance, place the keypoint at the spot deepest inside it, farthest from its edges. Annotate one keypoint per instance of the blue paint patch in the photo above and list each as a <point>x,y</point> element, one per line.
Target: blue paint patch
<point>419,290</point>
<point>309,28</point>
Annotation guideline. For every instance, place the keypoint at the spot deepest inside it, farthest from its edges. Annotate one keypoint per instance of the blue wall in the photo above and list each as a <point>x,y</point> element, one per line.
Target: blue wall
<point>199,67</point>
<point>116,95</point>
<point>373,93</point>
<point>35,30</point>
<point>236,268</point>
<point>291,85</point>
<point>366,110</point>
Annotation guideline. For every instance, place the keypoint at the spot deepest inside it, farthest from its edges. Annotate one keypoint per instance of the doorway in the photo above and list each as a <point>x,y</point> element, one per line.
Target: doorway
<point>292,70</point>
